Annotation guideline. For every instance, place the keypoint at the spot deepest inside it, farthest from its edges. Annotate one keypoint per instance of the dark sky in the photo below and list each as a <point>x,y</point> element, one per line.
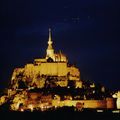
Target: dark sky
<point>87,31</point>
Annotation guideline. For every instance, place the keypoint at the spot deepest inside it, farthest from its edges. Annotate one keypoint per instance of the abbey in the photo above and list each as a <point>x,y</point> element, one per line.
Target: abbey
<point>52,83</point>
<point>53,70</point>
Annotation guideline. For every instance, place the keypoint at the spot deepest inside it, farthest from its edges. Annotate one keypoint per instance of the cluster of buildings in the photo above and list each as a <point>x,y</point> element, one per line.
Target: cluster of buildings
<point>53,70</point>
<point>51,82</point>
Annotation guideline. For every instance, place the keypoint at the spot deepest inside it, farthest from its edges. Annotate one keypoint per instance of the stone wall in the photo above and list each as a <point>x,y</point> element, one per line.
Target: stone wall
<point>86,103</point>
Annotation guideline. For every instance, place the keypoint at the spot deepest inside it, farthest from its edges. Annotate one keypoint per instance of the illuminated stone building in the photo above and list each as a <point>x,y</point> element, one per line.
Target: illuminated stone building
<point>53,70</point>
<point>51,82</point>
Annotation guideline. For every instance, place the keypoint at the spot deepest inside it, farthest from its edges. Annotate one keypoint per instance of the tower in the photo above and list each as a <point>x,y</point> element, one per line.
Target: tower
<point>50,50</point>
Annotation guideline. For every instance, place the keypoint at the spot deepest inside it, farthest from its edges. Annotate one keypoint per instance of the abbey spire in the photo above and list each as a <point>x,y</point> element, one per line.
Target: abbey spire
<point>50,50</point>
<point>50,40</point>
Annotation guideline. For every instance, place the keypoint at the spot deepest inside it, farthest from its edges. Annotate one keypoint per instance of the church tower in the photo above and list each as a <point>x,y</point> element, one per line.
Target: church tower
<point>50,50</point>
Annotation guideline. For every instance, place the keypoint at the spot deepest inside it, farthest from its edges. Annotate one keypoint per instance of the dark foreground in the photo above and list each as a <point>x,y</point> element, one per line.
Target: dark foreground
<point>60,115</point>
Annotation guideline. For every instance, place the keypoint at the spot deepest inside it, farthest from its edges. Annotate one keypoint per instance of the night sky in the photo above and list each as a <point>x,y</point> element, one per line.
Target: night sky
<point>87,31</point>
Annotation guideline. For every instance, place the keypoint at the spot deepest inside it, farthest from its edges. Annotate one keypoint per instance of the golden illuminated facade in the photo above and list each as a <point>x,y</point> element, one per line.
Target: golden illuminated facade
<point>51,82</point>
<point>54,66</point>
